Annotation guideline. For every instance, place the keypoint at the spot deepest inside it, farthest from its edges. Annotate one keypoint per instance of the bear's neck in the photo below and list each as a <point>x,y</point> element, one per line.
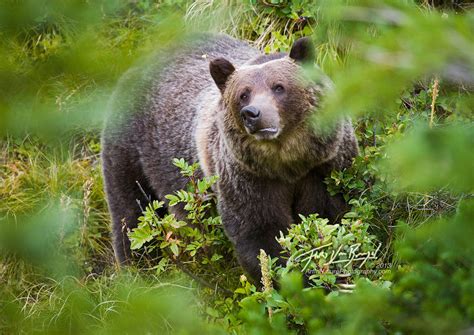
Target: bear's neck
<point>287,159</point>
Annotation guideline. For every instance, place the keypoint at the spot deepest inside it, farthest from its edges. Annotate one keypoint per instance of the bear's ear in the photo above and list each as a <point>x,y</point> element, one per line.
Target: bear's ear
<point>221,69</point>
<point>302,50</point>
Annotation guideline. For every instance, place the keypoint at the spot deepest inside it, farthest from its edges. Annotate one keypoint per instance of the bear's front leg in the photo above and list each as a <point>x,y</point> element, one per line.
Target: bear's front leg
<point>253,212</point>
<point>312,196</point>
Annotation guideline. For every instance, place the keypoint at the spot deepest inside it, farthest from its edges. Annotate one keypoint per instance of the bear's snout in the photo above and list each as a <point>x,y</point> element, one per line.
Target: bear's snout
<point>250,115</point>
<point>261,121</point>
<point>257,125</point>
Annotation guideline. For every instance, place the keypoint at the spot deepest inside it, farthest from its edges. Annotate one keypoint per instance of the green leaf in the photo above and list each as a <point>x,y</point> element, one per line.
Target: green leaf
<point>174,248</point>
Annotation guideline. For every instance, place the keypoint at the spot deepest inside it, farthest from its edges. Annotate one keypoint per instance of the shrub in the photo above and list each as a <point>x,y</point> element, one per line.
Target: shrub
<point>330,255</point>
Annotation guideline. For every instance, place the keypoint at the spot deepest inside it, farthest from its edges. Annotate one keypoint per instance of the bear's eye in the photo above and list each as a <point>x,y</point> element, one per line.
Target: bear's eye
<point>278,88</point>
<point>244,96</point>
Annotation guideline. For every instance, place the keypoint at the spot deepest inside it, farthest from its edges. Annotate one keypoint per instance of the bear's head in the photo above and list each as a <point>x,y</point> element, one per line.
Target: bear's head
<point>265,106</point>
<point>269,96</point>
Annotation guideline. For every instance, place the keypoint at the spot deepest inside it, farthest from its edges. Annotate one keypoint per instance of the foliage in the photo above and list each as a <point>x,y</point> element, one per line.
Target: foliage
<point>108,304</point>
<point>401,69</point>
<point>35,180</point>
<point>431,294</point>
<point>60,60</point>
<point>330,255</point>
<point>195,244</point>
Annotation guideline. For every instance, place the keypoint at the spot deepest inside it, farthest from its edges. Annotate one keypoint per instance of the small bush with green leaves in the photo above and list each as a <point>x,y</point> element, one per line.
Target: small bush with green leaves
<point>330,255</point>
<point>190,244</point>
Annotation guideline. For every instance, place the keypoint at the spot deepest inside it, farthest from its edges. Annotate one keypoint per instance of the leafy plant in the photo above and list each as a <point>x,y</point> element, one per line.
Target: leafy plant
<point>330,255</point>
<point>188,242</point>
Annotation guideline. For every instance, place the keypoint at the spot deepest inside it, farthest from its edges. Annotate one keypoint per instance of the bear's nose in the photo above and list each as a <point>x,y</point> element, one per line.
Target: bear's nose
<point>250,114</point>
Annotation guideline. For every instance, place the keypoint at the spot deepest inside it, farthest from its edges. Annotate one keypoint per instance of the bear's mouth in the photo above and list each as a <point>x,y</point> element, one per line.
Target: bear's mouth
<point>266,133</point>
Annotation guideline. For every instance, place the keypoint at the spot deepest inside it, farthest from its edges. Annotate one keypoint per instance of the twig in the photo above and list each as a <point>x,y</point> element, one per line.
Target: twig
<point>147,196</point>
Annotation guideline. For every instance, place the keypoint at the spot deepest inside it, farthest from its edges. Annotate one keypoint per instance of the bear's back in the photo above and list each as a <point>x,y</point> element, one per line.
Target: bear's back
<point>153,111</point>
<point>183,87</point>
<point>163,93</point>
<point>185,74</point>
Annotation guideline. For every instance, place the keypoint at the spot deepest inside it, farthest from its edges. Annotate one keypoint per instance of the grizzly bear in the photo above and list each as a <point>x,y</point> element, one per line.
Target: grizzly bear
<point>244,116</point>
